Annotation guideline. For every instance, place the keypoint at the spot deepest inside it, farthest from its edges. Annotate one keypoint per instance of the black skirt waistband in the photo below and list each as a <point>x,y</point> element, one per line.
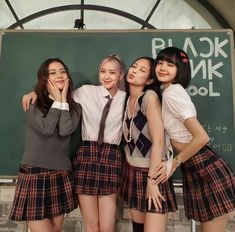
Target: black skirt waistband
<point>25,169</point>
<point>95,143</point>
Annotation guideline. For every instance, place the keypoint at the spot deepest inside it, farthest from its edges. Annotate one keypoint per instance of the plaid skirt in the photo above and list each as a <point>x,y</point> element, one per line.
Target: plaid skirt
<point>42,193</point>
<point>208,186</point>
<point>97,169</point>
<point>133,191</point>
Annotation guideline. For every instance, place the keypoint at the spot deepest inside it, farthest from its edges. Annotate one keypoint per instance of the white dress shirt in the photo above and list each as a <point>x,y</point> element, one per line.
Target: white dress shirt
<point>93,99</point>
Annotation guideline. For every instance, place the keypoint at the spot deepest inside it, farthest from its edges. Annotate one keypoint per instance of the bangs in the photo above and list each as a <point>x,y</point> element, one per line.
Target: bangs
<point>167,57</point>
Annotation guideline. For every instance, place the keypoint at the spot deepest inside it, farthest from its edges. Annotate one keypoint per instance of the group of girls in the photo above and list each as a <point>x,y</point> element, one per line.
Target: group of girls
<point>46,188</point>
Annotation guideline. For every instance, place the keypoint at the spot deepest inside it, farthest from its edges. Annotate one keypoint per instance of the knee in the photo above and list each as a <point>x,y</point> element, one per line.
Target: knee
<point>107,228</point>
<point>57,229</point>
<point>92,226</point>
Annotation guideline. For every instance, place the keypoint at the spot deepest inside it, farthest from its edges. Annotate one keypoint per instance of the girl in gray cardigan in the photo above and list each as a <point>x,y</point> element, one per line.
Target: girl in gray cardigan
<point>44,191</point>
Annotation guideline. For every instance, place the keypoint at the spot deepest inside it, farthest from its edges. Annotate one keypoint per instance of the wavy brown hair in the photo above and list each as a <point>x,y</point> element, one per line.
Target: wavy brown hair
<point>43,102</point>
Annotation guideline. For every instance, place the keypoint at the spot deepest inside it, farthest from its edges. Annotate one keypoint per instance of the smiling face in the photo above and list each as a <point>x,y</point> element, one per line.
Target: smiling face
<point>110,75</point>
<point>57,74</point>
<point>166,72</point>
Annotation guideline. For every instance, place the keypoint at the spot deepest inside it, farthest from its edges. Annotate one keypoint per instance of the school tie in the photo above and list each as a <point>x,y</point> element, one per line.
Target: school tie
<point>103,118</point>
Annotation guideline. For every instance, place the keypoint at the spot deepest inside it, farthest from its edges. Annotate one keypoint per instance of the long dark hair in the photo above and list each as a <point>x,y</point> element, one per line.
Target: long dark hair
<point>43,102</point>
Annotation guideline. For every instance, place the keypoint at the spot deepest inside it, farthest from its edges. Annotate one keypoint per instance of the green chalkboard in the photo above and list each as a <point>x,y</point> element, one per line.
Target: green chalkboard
<point>211,57</point>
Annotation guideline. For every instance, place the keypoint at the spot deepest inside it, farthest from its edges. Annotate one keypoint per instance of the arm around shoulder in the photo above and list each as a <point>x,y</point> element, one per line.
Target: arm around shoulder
<point>27,99</point>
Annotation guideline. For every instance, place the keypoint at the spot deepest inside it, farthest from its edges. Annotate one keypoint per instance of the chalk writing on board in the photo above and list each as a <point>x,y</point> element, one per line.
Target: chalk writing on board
<point>218,129</point>
<point>202,64</point>
<point>228,147</point>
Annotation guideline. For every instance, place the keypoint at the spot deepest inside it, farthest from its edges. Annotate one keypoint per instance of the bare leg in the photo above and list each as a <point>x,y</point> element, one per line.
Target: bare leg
<point>40,226</point>
<point>90,214</point>
<point>57,223</point>
<point>216,225</point>
<point>155,222</point>
<point>137,216</point>
<point>107,212</point>
<point>138,220</point>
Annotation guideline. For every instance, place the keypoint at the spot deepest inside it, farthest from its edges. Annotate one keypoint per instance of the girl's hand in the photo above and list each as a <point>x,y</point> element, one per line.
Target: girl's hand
<point>153,194</point>
<point>53,91</point>
<point>30,97</point>
<point>161,174</point>
<point>65,91</point>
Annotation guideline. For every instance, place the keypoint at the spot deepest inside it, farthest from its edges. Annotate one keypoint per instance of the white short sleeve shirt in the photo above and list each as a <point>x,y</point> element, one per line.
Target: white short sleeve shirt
<point>176,108</point>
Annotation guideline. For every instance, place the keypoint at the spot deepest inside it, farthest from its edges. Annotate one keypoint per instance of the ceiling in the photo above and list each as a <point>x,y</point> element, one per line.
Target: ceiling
<point>226,9</point>
<point>117,14</point>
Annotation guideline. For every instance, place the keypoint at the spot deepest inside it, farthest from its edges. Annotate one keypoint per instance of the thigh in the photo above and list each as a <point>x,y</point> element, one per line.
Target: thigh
<point>155,222</point>
<point>107,212</point>
<point>137,216</point>
<point>89,208</point>
<point>218,224</point>
<point>40,225</point>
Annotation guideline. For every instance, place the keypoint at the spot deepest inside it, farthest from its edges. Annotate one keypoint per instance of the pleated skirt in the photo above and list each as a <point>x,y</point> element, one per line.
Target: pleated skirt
<point>208,186</point>
<point>97,169</point>
<point>42,193</point>
<point>133,191</point>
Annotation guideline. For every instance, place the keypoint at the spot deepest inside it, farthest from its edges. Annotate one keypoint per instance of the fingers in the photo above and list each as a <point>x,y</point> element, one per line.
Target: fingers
<point>65,91</point>
<point>149,202</point>
<point>161,174</point>
<point>27,98</point>
<point>24,105</point>
<point>160,196</point>
<point>53,91</point>
<point>156,203</point>
<point>34,99</point>
<point>25,102</point>
<point>164,179</point>
<point>160,179</point>
<point>66,85</point>
<point>51,85</point>
<point>159,167</point>
<point>155,196</point>
<point>49,89</point>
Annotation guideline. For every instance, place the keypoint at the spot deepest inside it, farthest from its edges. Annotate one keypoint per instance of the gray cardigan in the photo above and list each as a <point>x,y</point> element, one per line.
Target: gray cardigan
<point>47,138</point>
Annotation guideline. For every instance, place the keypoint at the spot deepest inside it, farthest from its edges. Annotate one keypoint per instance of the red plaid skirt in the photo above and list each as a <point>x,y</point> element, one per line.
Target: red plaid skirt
<point>97,169</point>
<point>42,193</point>
<point>208,185</point>
<point>133,191</point>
